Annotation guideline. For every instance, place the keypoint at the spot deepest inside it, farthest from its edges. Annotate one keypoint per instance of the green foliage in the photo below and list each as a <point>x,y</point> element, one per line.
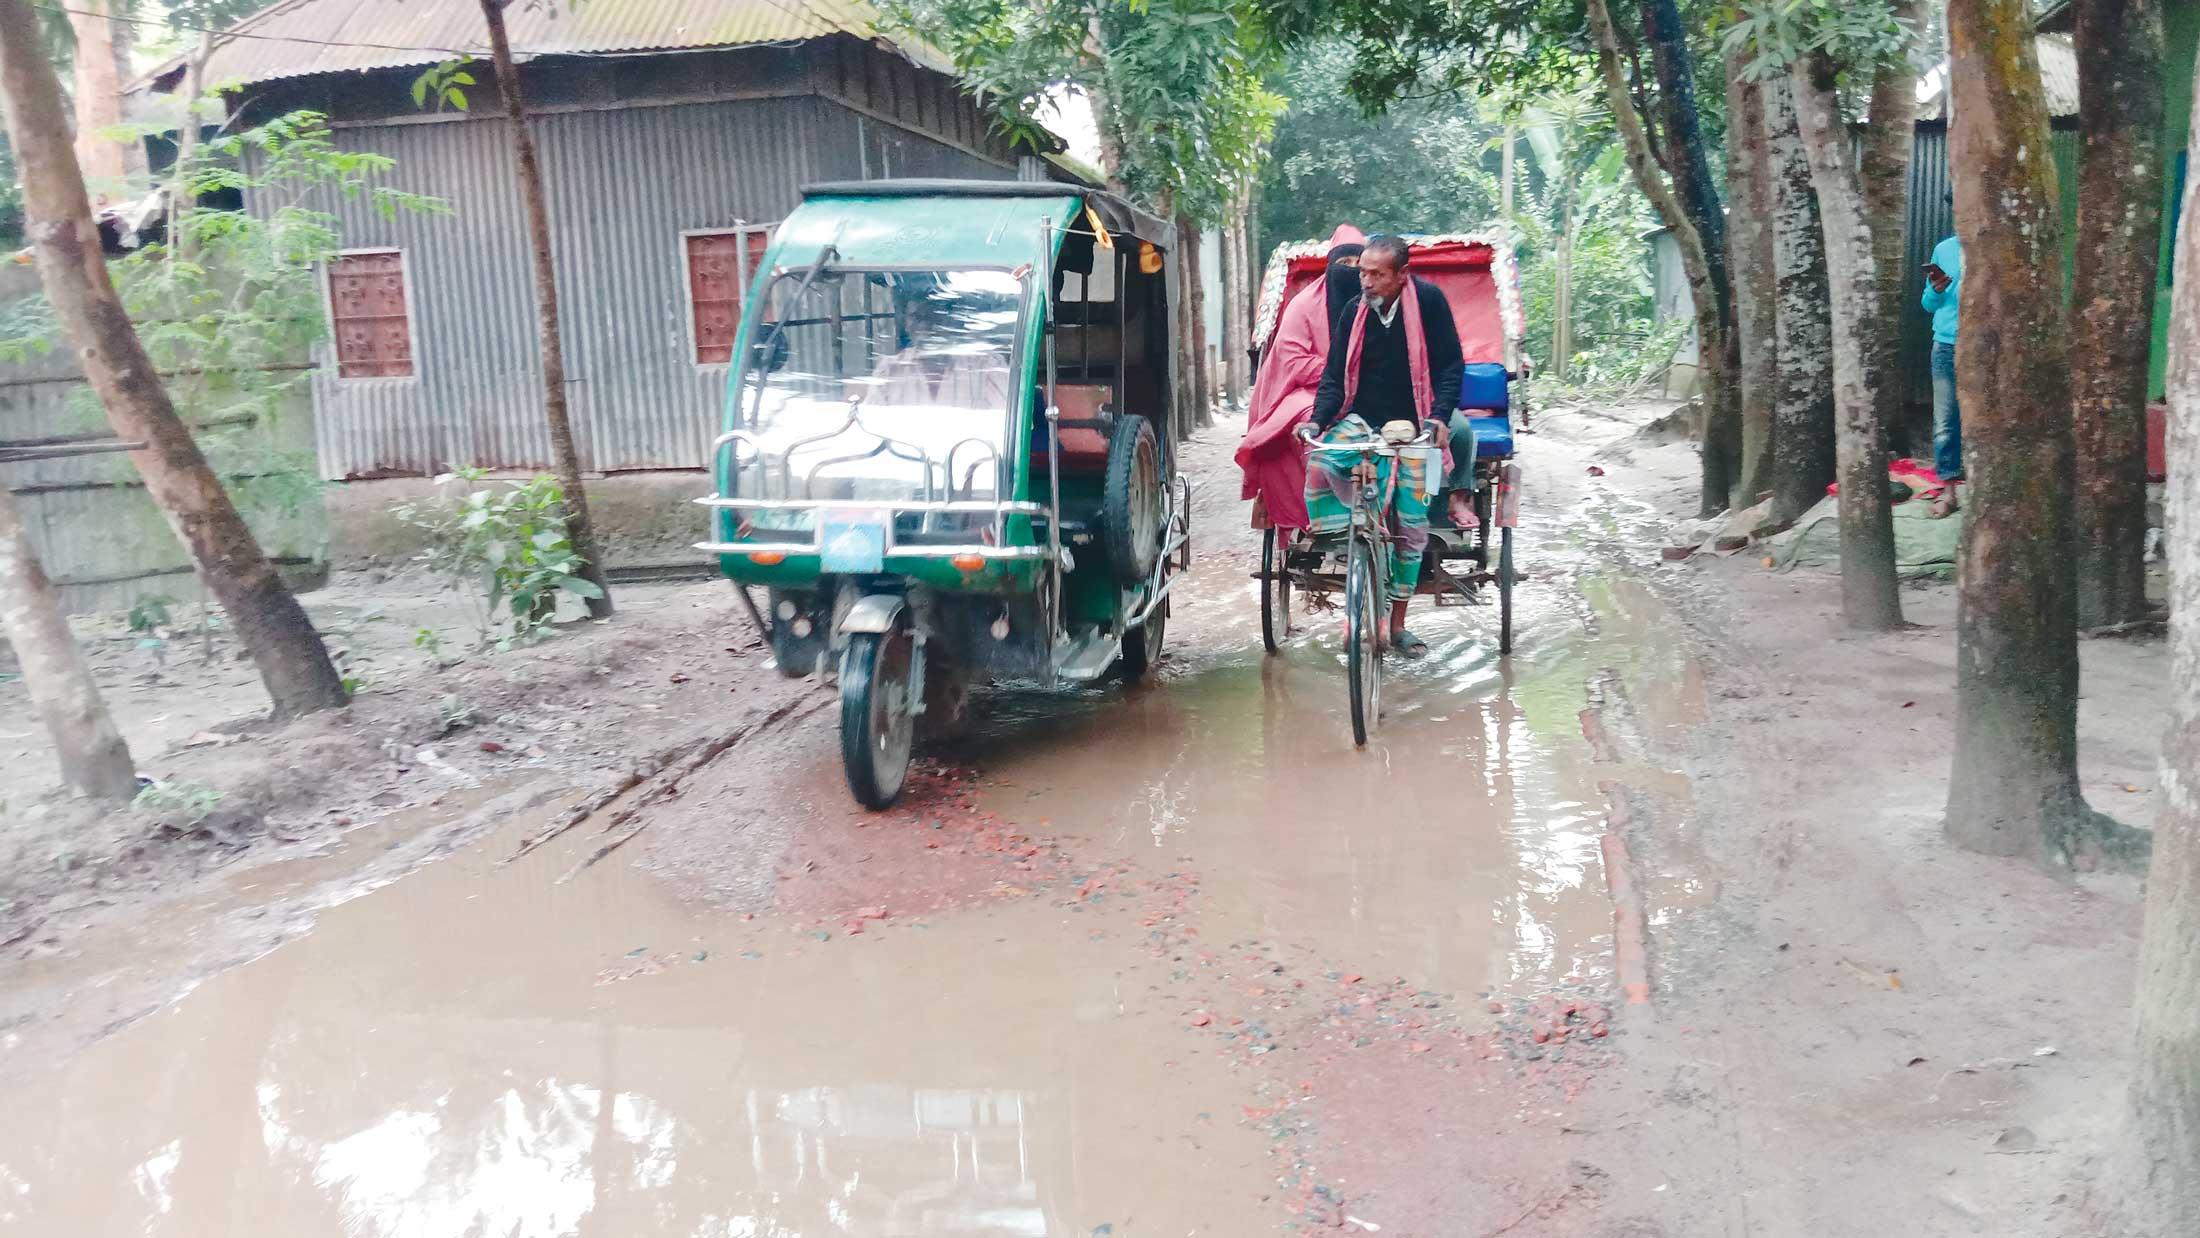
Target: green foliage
<point>150,612</point>
<point>446,83</point>
<point>1576,194</point>
<point>1855,34</point>
<point>503,549</point>
<point>430,642</point>
<point>180,804</point>
<point>1411,169</point>
<point>1432,165</point>
<point>1405,50</point>
<point>1178,85</point>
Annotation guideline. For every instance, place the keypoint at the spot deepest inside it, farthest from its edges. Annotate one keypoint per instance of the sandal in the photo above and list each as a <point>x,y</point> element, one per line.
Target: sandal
<point>1408,644</point>
<point>1461,508</point>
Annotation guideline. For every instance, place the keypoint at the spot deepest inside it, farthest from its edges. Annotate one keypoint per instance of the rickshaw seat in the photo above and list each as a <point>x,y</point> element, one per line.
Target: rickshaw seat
<point>1486,387</point>
<point>1084,442</point>
<point>1493,437</point>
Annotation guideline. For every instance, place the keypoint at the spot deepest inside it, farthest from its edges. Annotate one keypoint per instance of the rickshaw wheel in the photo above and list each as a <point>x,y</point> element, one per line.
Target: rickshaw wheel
<point>1142,644</point>
<point>1505,591</point>
<point>1275,591</point>
<point>1132,505</point>
<point>877,731</point>
<point>1363,664</point>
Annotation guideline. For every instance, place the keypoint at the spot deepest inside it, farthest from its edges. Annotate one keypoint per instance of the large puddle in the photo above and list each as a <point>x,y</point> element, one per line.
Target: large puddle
<point>1459,850</point>
<point>487,1052</point>
<point>484,1049</point>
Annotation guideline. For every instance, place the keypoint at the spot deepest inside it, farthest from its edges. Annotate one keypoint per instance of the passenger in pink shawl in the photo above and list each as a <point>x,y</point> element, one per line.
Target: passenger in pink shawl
<point>1271,457</point>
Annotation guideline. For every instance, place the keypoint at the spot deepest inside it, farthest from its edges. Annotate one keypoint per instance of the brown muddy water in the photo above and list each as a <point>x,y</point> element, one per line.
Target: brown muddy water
<point>481,1048</point>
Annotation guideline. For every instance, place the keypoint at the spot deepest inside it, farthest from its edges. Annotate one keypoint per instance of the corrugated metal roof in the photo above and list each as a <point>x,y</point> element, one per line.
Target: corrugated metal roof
<point>2058,74</point>
<point>300,38</point>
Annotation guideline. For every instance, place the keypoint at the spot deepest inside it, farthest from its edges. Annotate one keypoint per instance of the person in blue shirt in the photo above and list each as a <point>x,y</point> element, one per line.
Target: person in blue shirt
<point>1943,295</point>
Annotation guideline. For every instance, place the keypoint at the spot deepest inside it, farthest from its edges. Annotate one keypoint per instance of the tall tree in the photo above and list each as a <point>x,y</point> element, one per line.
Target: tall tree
<point>1673,170</point>
<point>1862,202</point>
<point>94,760</point>
<point>1752,262</point>
<point>2014,790</point>
<point>2119,242</point>
<point>1868,588</point>
<point>2164,1114</point>
<point>104,161</point>
<point>270,624</point>
<point>579,528</point>
<point>1803,436</point>
<point>1887,144</point>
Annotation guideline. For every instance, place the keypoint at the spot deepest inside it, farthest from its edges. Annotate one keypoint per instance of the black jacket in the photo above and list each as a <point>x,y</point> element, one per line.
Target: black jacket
<point>1446,361</point>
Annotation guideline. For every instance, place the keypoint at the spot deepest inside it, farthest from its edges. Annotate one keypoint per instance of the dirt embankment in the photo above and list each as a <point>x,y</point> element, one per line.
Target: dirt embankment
<point>422,742</point>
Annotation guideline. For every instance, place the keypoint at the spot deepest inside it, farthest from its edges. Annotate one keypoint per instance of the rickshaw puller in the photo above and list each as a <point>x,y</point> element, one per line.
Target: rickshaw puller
<point>1394,360</point>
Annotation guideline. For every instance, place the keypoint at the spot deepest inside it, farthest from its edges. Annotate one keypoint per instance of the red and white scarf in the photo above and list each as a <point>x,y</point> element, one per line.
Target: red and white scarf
<point>1424,389</point>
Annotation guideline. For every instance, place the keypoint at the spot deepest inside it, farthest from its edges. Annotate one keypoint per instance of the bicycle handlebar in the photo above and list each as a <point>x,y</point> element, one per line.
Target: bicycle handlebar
<point>1425,438</point>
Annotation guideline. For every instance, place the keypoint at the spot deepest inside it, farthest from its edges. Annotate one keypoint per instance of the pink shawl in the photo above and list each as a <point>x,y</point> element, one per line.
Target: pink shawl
<point>1272,459</point>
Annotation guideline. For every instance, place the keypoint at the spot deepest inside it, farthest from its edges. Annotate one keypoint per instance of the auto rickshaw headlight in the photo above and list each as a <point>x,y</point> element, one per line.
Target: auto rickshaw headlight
<point>968,563</point>
<point>766,558</point>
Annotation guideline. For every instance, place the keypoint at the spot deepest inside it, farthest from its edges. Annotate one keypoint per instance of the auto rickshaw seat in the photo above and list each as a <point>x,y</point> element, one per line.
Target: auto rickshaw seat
<point>1087,411</point>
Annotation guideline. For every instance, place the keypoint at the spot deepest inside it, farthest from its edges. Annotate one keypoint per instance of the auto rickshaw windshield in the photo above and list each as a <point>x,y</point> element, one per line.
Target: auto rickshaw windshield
<point>882,385</point>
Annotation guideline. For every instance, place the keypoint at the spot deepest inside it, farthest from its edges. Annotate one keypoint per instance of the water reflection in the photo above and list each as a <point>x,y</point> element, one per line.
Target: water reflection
<point>1455,850</point>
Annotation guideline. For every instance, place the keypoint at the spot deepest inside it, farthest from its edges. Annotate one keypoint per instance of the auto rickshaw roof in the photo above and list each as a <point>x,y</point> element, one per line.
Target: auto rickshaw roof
<point>946,222</point>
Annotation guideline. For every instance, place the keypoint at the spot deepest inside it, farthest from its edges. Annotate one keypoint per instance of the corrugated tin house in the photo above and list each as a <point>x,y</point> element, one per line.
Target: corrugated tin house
<point>673,134</point>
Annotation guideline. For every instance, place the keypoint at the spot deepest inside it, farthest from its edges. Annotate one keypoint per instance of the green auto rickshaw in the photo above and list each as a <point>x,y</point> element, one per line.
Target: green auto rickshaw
<point>946,455</point>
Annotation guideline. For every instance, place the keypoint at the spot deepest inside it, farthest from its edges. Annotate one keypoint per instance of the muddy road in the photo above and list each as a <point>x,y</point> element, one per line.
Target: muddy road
<point>1168,960</point>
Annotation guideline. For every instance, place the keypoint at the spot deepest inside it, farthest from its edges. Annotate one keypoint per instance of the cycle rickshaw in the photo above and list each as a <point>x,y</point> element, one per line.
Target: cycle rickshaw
<point>1477,275</point>
<point>945,454</point>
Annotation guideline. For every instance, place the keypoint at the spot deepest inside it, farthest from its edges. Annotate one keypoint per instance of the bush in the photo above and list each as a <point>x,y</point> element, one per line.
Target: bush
<point>503,549</point>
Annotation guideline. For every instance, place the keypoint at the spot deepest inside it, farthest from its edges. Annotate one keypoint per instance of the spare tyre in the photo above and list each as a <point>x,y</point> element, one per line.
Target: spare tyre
<point>1131,507</point>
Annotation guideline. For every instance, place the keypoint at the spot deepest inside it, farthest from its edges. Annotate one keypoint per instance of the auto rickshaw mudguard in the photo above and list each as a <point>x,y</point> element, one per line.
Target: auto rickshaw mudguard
<point>874,612</point>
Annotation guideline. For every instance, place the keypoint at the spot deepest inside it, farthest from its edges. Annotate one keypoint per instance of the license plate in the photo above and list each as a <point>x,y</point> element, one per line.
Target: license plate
<point>852,542</point>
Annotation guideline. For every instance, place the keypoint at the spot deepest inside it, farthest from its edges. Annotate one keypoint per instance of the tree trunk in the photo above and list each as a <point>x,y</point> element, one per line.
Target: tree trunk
<point>270,624</point>
<point>1505,175</point>
<point>2119,243</point>
<point>1203,366</point>
<point>1248,293</point>
<point>1684,144</point>
<point>1883,169</point>
<point>1869,597</point>
<point>1719,359</point>
<point>181,201</point>
<point>1185,265</point>
<point>94,760</point>
<point>1802,435</point>
<point>579,529</point>
<point>1226,241</point>
<point>102,161</point>
<point>1717,350</point>
<point>2014,790</point>
<point>2163,1196</point>
<point>1755,278</point>
<point>1562,295</point>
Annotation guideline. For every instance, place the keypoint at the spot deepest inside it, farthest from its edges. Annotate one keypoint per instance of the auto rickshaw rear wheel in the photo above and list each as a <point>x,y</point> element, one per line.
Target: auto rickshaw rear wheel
<point>1131,504</point>
<point>1142,644</point>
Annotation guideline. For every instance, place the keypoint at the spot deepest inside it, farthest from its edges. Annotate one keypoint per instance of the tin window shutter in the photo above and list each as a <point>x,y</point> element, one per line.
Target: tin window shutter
<point>368,309</point>
<point>721,266</point>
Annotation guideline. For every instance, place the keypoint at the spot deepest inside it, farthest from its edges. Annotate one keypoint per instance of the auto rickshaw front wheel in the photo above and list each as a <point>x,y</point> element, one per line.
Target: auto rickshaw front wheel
<point>877,731</point>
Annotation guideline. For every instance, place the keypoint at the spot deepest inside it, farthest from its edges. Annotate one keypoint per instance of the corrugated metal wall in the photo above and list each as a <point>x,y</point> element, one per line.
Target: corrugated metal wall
<point>97,532</point>
<point>1931,221</point>
<point>624,184</point>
